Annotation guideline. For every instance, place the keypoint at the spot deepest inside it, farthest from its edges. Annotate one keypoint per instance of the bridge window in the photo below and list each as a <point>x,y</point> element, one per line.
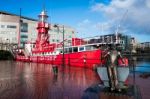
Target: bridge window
<point>75,49</point>
<point>66,50</point>
<point>59,50</point>
<point>70,50</point>
<point>81,49</point>
<point>88,48</point>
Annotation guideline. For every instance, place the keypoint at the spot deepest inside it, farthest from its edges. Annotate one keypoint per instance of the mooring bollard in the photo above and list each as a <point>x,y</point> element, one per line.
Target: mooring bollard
<point>55,69</point>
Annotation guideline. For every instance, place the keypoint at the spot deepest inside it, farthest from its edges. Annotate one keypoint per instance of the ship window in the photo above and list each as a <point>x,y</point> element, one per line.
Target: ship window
<point>88,48</point>
<point>75,49</point>
<point>70,50</point>
<point>65,51</point>
<point>94,47</point>
<point>81,49</point>
<point>61,51</point>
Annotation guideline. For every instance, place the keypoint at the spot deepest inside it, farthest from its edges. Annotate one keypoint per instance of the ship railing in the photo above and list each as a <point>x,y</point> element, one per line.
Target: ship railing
<point>94,40</point>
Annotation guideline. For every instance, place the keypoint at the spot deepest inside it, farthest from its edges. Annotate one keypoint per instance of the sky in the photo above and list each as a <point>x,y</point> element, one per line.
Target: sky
<point>90,17</point>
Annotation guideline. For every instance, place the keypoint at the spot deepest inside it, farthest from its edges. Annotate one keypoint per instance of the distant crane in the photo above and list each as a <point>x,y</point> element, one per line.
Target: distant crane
<point>118,27</point>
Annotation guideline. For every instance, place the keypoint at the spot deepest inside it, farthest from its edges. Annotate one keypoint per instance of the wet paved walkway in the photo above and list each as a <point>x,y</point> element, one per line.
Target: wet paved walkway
<point>37,81</point>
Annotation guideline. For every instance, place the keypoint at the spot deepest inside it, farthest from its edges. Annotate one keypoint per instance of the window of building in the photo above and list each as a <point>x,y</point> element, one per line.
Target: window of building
<point>11,26</point>
<point>0,39</point>
<point>14,39</point>
<point>2,26</point>
<point>70,36</point>
<point>53,40</point>
<point>24,36</point>
<point>24,27</point>
<point>56,30</point>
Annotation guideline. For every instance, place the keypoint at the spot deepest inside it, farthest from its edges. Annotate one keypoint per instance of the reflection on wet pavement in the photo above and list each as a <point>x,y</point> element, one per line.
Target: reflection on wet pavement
<point>20,80</point>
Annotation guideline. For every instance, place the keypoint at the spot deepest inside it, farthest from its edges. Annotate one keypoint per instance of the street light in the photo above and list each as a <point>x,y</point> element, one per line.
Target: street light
<point>63,31</point>
<point>7,43</point>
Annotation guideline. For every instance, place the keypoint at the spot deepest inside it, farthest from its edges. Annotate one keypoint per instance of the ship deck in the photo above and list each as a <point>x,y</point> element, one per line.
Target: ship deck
<point>20,80</point>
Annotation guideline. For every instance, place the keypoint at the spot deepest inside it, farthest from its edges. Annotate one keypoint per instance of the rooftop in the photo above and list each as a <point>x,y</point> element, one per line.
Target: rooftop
<point>8,13</point>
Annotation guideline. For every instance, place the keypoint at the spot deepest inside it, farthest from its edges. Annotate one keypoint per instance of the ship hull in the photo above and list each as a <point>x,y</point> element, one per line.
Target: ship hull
<point>86,59</point>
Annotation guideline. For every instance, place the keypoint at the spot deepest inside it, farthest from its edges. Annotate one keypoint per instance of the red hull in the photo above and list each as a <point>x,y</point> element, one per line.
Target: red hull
<point>86,59</point>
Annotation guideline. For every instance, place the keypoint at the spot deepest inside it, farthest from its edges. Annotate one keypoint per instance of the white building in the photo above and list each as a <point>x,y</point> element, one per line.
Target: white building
<point>14,29</point>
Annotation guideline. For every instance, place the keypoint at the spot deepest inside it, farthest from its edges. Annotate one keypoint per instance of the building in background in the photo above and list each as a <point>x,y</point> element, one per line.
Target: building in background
<point>16,30</point>
<point>124,42</point>
<point>134,45</point>
<point>143,47</point>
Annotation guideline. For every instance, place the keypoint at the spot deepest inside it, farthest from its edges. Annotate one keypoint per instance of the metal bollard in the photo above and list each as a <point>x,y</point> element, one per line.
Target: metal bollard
<point>55,69</point>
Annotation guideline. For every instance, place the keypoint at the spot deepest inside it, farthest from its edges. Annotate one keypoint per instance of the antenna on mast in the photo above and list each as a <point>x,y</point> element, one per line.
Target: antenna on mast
<point>118,27</point>
<point>44,6</point>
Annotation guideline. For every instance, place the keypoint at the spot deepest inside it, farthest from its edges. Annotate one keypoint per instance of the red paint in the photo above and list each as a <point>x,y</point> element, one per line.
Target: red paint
<point>78,41</point>
<point>85,59</point>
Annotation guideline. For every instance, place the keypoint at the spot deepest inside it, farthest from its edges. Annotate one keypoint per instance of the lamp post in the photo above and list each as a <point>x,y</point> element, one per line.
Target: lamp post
<point>63,32</point>
<point>63,47</point>
<point>8,43</point>
<point>19,32</point>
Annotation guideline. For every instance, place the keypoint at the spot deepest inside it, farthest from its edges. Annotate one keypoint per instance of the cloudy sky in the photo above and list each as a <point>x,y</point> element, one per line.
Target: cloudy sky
<point>91,17</point>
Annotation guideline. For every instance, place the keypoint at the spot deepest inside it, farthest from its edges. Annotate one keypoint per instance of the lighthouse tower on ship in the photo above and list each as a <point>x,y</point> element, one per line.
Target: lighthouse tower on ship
<point>43,27</point>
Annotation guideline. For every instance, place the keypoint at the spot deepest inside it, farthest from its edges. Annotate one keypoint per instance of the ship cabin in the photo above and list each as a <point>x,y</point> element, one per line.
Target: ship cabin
<point>70,49</point>
<point>81,48</point>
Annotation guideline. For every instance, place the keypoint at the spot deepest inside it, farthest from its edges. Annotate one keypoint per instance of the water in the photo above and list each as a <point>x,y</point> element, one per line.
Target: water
<point>20,80</point>
<point>142,64</point>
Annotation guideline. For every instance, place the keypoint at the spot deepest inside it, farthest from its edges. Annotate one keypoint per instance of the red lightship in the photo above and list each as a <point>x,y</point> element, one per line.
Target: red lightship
<point>79,54</point>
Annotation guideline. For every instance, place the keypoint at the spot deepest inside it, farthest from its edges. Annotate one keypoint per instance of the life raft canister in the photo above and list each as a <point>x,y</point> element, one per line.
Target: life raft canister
<point>123,62</point>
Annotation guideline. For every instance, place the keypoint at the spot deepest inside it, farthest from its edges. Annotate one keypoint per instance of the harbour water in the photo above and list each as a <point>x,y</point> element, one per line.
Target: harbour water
<point>142,64</point>
<point>19,80</point>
